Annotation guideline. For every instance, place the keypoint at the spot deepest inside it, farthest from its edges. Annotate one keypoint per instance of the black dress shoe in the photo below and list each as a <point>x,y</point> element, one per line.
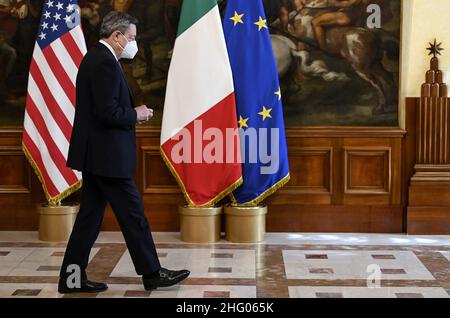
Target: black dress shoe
<point>164,278</point>
<point>86,287</point>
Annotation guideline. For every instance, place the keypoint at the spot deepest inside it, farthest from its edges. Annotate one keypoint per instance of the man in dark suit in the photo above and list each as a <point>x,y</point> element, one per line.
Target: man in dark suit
<point>103,147</point>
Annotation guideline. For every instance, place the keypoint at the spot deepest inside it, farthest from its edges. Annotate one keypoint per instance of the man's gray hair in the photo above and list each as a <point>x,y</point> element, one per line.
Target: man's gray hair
<point>116,21</point>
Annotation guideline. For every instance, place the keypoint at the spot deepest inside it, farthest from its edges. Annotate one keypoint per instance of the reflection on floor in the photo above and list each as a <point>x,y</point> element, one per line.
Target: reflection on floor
<point>285,265</point>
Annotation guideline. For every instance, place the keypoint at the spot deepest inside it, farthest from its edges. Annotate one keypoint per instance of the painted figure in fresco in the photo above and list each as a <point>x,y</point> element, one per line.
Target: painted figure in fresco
<point>348,14</point>
<point>92,13</point>
<point>8,57</point>
<point>287,7</point>
<point>8,28</point>
<point>363,48</point>
<point>12,14</point>
<point>8,17</point>
<point>121,5</point>
<point>7,53</point>
<point>149,14</point>
<point>23,31</point>
<point>172,9</point>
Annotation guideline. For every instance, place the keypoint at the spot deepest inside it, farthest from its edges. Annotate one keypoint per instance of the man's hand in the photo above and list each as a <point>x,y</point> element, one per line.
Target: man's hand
<point>143,114</point>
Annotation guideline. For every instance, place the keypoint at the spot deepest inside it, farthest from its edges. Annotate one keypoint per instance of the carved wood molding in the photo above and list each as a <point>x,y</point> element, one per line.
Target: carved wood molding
<point>293,132</point>
<point>148,187</point>
<point>433,118</point>
<point>325,153</point>
<point>385,174</point>
<point>22,186</point>
<point>316,132</point>
<point>429,189</point>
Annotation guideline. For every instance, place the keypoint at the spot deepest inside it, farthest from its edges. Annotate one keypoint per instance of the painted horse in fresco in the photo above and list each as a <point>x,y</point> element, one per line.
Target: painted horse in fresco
<point>365,49</point>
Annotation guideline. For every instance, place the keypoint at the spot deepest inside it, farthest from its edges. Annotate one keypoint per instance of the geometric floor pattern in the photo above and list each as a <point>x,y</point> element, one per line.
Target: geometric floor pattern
<point>285,265</point>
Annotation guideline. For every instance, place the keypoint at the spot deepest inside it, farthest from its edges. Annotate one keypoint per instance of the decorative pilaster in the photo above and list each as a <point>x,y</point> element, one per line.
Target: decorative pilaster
<point>429,191</point>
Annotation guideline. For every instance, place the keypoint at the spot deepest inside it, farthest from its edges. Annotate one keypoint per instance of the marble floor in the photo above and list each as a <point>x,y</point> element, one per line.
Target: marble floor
<point>285,265</point>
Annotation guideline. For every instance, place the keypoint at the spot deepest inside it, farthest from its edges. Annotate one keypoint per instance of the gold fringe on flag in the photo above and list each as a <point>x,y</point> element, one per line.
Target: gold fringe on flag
<point>191,203</point>
<point>262,196</point>
<point>51,200</point>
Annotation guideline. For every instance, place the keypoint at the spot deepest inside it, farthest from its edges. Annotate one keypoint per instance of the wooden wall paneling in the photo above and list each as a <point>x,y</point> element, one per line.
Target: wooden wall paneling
<point>374,206</point>
<point>19,187</point>
<point>315,200</point>
<point>311,163</point>
<point>429,184</point>
<point>367,175</point>
<point>367,170</point>
<point>410,143</point>
<point>155,177</point>
<point>15,172</point>
<point>334,219</point>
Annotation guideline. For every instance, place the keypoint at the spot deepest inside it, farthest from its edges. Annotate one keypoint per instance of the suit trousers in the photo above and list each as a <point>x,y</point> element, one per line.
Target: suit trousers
<point>126,202</point>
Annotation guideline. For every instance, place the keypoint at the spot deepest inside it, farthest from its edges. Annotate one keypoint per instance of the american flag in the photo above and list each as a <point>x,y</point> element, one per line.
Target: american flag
<point>50,104</point>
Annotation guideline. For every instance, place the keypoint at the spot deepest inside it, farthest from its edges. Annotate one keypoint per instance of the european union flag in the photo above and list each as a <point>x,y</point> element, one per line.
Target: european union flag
<point>258,99</point>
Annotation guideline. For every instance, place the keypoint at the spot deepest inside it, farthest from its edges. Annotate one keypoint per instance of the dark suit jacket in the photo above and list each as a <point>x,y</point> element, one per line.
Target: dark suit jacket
<point>103,140</point>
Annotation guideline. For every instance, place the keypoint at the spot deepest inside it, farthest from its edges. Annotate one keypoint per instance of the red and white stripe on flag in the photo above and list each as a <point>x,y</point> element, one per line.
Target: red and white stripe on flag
<point>50,103</point>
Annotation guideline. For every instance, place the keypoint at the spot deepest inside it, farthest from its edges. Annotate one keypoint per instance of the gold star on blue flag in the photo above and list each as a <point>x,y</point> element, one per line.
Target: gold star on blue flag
<point>256,84</point>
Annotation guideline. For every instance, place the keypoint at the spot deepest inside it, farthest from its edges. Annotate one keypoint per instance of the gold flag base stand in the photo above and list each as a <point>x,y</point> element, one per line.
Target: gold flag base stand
<point>56,221</point>
<point>200,225</point>
<point>245,224</point>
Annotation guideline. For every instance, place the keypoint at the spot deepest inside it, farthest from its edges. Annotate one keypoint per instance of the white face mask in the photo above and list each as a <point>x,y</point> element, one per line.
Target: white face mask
<point>130,50</point>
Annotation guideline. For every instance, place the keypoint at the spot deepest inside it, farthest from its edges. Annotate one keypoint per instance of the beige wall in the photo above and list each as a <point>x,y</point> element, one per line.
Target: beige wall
<point>423,20</point>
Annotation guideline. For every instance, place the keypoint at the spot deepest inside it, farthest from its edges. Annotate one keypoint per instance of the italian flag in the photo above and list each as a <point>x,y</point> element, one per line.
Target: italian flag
<point>200,109</point>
